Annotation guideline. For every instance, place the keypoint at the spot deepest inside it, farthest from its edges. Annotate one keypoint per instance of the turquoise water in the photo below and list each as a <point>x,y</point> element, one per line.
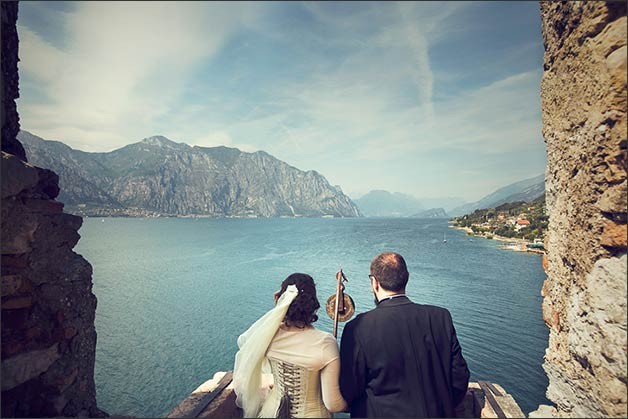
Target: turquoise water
<point>174,294</point>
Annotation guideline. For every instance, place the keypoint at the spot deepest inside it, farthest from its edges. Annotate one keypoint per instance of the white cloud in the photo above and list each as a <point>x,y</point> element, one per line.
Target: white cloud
<point>497,118</point>
<point>38,58</point>
<point>355,101</point>
<point>124,66</point>
<point>357,106</point>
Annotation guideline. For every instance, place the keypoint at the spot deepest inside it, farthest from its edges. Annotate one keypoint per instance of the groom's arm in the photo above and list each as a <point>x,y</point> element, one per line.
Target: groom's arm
<point>352,365</point>
<point>459,369</point>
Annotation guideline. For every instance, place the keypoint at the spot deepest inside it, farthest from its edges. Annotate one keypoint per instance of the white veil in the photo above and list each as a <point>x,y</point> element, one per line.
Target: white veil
<point>247,369</point>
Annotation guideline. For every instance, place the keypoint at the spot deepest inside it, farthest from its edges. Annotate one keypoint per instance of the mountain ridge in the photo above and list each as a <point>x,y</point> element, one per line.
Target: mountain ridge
<point>524,190</point>
<point>157,176</point>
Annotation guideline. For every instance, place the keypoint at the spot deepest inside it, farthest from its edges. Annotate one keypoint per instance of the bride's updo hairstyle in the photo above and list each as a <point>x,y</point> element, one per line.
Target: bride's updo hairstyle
<point>302,310</point>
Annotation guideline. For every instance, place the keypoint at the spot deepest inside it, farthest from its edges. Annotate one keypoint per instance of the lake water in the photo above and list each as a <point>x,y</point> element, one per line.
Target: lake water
<point>174,294</point>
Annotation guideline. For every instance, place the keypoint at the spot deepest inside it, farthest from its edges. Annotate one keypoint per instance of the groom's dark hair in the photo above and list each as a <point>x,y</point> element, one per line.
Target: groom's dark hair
<point>390,270</point>
<point>302,310</point>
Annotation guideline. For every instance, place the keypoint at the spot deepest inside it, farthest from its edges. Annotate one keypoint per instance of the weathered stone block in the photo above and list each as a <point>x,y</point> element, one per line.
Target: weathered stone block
<point>48,185</point>
<point>21,368</point>
<point>17,175</point>
<point>68,267</point>
<point>10,284</point>
<point>60,229</point>
<point>15,261</point>
<point>26,287</point>
<point>614,199</point>
<point>17,302</point>
<point>611,38</point>
<point>44,205</point>
<point>17,229</point>
<point>607,290</point>
<point>614,235</point>
<point>616,60</point>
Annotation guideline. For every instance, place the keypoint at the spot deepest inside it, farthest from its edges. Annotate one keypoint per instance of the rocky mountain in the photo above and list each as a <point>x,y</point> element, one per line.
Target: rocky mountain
<point>432,213</point>
<point>526,190</point>
<point>157,176</point>
<point>528,194</point>
<point>380,203</point>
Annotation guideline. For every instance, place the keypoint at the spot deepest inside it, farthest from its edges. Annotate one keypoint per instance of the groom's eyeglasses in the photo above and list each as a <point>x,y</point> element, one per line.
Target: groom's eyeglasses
<point>372,277</point>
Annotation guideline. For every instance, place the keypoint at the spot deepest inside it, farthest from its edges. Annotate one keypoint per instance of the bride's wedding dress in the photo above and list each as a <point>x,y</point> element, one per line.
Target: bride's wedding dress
<point>305,366</point>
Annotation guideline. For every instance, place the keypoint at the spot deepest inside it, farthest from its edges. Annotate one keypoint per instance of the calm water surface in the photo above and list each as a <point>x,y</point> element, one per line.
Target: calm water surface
<point>174,294</point>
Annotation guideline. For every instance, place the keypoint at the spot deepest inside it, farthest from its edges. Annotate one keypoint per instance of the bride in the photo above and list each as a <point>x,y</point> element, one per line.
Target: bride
<point>304,361</point>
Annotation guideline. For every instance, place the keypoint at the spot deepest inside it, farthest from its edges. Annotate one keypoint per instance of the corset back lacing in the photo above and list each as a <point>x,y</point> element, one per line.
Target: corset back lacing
<point>291,383</point>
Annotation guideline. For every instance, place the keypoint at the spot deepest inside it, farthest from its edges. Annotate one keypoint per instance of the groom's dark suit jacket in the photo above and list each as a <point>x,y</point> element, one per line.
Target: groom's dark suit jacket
<point>402,359</point>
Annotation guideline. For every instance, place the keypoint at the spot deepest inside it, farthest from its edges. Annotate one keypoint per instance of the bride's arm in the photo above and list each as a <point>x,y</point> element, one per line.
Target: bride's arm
<point>332,398</point>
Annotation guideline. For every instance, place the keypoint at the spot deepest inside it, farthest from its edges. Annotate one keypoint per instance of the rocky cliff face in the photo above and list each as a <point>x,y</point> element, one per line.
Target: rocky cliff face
<point>584,124</point>
<point>159,176</point>
<point>48,308</point>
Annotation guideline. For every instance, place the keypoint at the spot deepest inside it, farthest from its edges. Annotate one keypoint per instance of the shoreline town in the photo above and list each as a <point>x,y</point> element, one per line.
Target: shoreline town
<point>510,243</point>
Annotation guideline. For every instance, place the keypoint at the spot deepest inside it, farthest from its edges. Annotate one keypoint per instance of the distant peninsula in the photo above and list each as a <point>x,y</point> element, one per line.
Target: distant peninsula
<point>432,213</point>
<point>159,177</point>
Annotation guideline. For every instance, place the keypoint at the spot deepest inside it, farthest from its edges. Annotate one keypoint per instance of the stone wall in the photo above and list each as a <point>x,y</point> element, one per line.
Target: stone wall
<point>48,308</point>
<point>9,87</point>
<point>584,98</point>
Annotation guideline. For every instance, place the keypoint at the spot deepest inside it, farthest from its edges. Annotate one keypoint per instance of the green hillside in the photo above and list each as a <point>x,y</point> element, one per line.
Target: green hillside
<point>524,220</point>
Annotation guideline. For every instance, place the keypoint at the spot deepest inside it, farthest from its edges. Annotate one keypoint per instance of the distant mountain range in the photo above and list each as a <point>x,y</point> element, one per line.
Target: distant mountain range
<point>157,176</point>
<point>380,203</point>
<point>526,190</point>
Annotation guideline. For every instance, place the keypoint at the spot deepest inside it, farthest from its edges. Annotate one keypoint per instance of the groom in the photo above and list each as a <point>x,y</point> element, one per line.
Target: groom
<point>401,358</point>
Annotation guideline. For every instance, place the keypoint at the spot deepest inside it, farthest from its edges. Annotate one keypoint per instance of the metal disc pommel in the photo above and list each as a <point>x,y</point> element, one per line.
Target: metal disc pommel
<point>343,315</point>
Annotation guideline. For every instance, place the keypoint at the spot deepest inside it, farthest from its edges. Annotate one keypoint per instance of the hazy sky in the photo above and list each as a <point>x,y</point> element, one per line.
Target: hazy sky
<point>432,99</point>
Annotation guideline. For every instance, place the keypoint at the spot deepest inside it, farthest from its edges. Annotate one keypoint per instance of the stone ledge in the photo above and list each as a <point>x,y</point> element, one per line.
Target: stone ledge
<point>222,404</point>
<point>16,175</point>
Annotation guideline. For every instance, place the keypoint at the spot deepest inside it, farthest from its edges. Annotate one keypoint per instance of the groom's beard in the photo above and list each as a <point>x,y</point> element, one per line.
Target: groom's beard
<point>375,299</point>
